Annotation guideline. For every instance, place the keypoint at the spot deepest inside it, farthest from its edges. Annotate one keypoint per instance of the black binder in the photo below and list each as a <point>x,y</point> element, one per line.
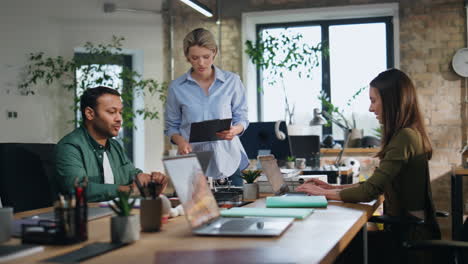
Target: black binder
<point>206,130</point>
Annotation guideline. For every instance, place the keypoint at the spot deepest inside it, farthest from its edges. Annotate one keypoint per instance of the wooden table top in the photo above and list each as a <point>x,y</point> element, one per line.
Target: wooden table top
<point>318,239</point>
<point>461,171</point>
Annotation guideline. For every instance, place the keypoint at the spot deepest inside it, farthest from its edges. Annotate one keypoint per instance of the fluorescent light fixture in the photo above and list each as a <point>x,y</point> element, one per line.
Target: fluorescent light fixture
<point>199,7</point>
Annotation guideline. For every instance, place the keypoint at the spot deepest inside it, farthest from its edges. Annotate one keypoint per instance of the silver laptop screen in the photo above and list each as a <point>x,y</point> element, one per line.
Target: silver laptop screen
<point>273,174</point>
<point>192,188</point>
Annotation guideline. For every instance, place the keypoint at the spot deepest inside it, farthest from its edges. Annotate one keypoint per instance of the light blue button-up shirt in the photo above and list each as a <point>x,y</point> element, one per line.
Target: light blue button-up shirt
<point>187,103</point>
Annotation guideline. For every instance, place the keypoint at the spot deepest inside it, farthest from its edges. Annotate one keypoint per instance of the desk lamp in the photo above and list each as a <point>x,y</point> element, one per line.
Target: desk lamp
<point>320,118</point>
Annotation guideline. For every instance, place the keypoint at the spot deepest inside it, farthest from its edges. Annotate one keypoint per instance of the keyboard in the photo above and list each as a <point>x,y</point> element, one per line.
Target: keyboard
<point>237,224</point>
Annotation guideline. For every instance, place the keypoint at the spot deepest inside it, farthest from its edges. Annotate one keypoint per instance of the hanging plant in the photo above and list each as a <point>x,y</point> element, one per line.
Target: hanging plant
<point>94,71</point>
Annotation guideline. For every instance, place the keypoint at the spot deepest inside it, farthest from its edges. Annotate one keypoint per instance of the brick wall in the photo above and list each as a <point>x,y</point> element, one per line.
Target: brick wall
<point>430,33</point>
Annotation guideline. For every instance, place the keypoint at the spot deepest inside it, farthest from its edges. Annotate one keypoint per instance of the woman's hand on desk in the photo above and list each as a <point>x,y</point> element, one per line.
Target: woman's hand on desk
<point>312,189</point>
<point>320,184</point>
<point>231,133</point>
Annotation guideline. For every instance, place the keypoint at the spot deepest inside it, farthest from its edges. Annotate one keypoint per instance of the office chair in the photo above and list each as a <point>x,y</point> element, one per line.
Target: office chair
<point>456,251</point>
<point>399,228</point>
<point>27,173</point>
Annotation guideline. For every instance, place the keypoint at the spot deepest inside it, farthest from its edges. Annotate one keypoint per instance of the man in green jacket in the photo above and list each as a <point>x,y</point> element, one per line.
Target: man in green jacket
<point>90,150</point>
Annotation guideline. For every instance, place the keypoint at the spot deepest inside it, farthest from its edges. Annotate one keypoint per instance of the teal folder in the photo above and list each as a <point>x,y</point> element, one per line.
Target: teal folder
<point>267,212</point>
<point>296,201</point>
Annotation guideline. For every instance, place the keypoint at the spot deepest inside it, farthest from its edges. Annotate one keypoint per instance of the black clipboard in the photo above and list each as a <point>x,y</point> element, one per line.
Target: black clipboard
<point>206,130</point>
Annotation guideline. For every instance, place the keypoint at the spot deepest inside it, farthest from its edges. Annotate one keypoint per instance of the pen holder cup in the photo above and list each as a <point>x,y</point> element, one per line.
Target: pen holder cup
<point>151,215</point>
<point>66,225</point>
<point>71,224</point>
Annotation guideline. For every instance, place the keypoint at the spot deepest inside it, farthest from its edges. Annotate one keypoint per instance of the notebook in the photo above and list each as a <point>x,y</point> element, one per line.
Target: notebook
<point>201,209</point>
<point>298,213</point>
<point>296,201</point>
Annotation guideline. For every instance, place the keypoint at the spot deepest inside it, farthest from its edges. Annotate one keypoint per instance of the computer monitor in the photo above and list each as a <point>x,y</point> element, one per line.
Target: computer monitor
<point>261,136</point>
<point>305,147</point>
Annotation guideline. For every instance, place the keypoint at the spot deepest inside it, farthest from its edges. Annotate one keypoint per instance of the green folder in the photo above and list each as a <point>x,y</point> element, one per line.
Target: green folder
<point>267,212</point>
<point>296,201</point>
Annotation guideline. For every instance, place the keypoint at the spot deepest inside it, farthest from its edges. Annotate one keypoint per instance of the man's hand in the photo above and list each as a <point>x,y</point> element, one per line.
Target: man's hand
<point>231,133</point>
<point>144,178</point>
<point>161,179</point>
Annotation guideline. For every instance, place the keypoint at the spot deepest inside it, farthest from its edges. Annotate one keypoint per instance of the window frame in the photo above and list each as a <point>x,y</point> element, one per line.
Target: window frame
<point>127,62</point>
<point>251,19</point>
<point>325,65</point>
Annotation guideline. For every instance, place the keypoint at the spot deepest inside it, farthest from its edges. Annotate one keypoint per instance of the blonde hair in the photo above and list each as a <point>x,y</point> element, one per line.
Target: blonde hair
<point>200,37</point>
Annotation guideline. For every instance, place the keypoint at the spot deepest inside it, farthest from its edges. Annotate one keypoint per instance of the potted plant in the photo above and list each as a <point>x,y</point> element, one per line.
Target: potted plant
<point>125,227</point>
<point>290,162</point>
<point>250,187</point>
<point>352,134</point>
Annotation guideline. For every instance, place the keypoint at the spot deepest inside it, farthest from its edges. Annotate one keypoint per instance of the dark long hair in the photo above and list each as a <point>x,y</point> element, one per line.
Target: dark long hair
<point>400,107</point>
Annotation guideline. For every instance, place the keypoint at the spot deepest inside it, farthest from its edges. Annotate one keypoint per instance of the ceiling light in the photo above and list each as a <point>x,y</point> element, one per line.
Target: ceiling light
<point>199,7</point>
<point>111,8</point>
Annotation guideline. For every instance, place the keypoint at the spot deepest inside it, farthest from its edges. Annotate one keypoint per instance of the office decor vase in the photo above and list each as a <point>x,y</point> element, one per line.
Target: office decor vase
<point>355,136</point>
<point>250,191</point>
<point>125,229</point>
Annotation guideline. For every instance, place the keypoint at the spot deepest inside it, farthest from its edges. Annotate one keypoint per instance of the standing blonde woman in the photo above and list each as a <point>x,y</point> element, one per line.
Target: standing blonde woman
<point>206,92</point>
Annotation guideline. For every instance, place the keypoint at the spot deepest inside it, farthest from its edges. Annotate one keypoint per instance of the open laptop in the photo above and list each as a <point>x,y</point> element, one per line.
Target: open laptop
<point>204,157</point>
<point>275,177</point>
<point>200,207</point>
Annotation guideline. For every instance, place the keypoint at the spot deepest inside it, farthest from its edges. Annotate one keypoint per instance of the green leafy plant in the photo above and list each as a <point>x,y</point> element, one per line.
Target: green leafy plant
<point>250,175</point>
<point>287,52</point>
<point>121,205</point>
<point>333,110</point>
<point>42,71</point>
<point>378,132</point>
<point>290,158</point>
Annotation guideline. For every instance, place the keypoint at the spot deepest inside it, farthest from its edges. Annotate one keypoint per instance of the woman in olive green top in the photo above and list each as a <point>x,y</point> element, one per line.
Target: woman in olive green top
<point>403,174</point>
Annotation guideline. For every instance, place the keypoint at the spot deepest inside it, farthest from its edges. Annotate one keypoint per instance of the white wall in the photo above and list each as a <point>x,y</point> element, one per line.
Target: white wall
<point>58,27</point>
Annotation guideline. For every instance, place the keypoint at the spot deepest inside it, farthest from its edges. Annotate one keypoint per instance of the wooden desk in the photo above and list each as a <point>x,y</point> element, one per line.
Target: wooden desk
<point>318,239</point>
<point>457,201</point>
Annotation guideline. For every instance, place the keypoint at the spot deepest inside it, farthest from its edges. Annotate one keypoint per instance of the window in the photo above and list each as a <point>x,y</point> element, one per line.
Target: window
<point>358,49</point>
<point>113,70</point>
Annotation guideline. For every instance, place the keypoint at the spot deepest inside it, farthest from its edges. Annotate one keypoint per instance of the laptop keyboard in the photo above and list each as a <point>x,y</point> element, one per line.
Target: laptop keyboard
<point>237,224</point>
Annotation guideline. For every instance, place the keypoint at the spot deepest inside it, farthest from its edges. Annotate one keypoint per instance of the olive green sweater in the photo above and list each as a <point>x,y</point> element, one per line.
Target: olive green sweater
<point>402,177</point>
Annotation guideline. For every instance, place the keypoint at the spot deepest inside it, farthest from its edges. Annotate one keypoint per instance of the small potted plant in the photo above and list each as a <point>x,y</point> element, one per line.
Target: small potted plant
<point>290,162</point>
<point>125,227</point>
<point>250,187</point>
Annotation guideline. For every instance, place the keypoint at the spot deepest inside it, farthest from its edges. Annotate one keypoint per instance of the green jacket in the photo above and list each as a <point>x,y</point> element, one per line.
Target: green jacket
<point>403,178</point>
<point>78,155</point>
